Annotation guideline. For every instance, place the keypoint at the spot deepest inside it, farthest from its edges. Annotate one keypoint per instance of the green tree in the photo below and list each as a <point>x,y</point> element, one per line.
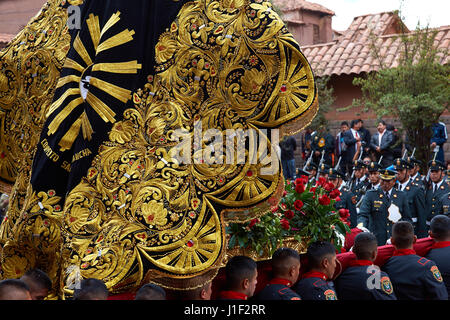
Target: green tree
<point>416,91</point>
<point>326,100</point>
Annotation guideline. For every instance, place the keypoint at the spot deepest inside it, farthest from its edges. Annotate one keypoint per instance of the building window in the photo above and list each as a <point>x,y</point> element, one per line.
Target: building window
<point>316,35</point>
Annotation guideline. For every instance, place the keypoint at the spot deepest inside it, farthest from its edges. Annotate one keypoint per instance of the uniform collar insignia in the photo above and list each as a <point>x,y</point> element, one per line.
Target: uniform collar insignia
<point>315,274</point>
<point>359,263</point>
<point>403,252</point>
<point>440,244</point>
<point>233,295</point>
<point>282,281</point>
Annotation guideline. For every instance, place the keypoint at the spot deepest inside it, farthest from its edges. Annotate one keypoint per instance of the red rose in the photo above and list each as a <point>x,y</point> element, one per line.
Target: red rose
<point>345,221</point>
<point>298,205</point>
<point>301,180</point>
<point>300,188</point>
<point>335,193</point>
<point>321,181</point>
<point>337,199</point>
<point>284,193</point>
<point>274,209</point>
<point>344,213</point>
<point>253,222</point>
<point>289,214</point>
<point>313,190</point>
<point>328,186</point>
<point>285,224</point>
<point>324,200</point>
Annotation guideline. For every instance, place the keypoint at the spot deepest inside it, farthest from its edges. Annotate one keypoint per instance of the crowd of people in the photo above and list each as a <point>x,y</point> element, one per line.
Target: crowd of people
<point>375,178</point>
<point>404,276</point>
<point>388,200</point>
<point>354,142</point>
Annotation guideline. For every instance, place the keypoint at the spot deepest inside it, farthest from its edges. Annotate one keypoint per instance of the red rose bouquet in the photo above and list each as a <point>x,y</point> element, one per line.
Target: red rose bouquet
<point>306,212</point>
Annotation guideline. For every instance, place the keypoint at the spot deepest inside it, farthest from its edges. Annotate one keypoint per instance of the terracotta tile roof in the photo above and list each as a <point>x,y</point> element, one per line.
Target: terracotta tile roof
<point>291,5</point>
<point>295,21</point>
<point>350,52</point>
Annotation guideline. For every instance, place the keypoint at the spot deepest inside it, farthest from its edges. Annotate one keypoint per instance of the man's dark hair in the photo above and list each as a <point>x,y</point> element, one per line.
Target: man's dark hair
<point>382,122</point>
<point>193,294</point>
<point>39,278</point>
<point>353,123</point>
<point>12,284</point>
<point>365,244</point>
<point>282,260</point>
<point>344,123</point>
<point>440,227</point>
<point>317,251</point>
<point>239,268</point>
<point>150,291</point>
<point>91,289</point>
<point>403,234</point>
<point>360,120</point>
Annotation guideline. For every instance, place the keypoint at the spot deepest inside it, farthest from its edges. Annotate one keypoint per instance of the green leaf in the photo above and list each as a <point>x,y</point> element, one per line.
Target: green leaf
<point>232,242</point>
<point>242,241</point>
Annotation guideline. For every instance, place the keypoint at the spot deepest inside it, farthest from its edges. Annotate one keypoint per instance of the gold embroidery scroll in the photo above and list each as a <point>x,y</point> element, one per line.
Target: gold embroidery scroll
<point>153,206</point>
<point>140,214</point>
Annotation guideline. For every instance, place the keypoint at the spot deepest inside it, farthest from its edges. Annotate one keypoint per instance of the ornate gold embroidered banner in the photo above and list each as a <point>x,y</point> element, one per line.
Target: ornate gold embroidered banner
<point>137,168</point>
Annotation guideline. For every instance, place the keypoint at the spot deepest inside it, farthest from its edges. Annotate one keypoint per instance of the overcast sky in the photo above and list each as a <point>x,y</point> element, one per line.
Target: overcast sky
<point>432,12</point>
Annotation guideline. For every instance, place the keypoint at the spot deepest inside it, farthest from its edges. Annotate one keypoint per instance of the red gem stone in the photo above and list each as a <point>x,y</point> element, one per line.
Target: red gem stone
<point>190,243</point>
<point>283,88</point>
<point>249,173</point>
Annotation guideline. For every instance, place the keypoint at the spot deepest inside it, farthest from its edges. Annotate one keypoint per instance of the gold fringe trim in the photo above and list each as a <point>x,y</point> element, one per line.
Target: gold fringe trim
<point>302,121</point>
<point>186,284</point>
<point>290,242</point>
<point>243,215</point>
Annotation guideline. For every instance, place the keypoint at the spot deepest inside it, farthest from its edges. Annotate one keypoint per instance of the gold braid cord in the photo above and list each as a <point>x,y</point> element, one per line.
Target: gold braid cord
<point>142,215</point>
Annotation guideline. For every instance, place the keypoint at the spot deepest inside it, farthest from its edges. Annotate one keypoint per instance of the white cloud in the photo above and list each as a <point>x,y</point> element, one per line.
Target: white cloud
<point>432,12</point>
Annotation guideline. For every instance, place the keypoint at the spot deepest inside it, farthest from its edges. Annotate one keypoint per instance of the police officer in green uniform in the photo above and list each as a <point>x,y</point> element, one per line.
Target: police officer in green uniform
<point>382,207</point>
<point>336,176</point>
<point>445,205</point>
<point>436,190</point>
<point>414,165</point>
<point>312,169</point>
<point>415,196</point>
<point>322,140</point>
<point>323,170</point>
<point>360,181</point>
<point>374,175</point>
